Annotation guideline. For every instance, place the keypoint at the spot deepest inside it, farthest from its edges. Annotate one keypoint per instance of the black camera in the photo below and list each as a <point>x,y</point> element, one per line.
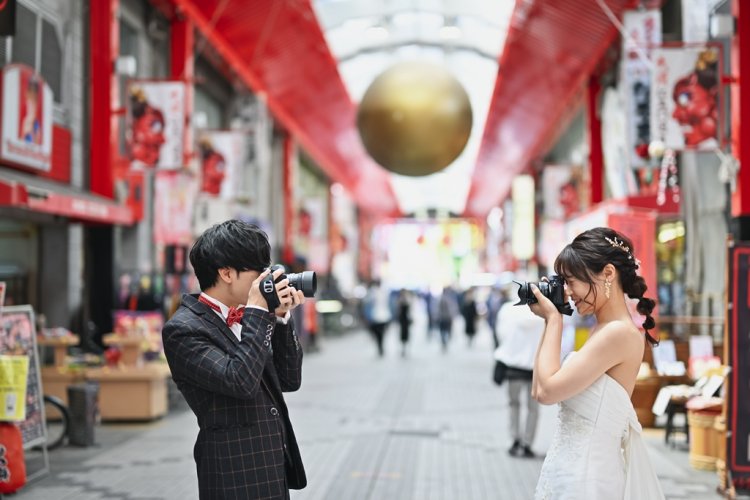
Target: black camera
<point>554,290</point>
<point>306,281</point>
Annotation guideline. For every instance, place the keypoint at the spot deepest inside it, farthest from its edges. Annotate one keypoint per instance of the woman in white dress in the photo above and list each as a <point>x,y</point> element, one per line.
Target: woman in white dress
<point>597,451</point>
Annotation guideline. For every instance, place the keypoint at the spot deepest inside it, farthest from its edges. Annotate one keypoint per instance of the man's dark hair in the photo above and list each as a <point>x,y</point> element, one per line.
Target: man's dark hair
<point>234,244</point>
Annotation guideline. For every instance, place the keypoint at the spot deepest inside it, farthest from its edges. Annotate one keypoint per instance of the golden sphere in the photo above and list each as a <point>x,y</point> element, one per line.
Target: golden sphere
<point>415,119</point>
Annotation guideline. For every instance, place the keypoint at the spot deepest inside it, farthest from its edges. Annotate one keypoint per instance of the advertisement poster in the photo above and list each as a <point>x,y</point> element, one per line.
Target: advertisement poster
<point>27,118</point>
<point>14,371</point>
<point>222,155</point>
<point>738,407</point>
<point>173,207</point>
<point>685,97</point>
<point>644,32</point>
<point>18,338</point>
<point>156,124</point>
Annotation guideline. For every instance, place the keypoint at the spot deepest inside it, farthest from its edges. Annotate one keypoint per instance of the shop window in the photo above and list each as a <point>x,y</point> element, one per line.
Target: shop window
<point>51,63</point>
<point>24,43</point>
<point>31,30</point>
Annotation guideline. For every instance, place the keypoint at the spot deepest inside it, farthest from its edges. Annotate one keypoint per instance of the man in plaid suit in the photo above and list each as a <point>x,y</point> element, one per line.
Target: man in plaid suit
<point>233,364</point>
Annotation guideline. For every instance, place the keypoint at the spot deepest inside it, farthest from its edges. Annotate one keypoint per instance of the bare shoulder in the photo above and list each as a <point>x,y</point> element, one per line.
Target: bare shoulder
<point>622,333</point>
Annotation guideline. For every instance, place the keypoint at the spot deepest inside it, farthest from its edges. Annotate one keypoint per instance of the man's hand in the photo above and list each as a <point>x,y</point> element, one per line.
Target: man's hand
<point>254,296</point>
<point>289,296</point>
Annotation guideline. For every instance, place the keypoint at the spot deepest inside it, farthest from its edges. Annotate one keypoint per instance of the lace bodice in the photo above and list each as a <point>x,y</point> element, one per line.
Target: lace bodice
<point>591,453</point>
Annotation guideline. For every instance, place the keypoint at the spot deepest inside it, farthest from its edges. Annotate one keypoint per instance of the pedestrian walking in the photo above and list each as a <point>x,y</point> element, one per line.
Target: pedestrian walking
<point>470,313</point>
<point>377,311</point>
<point>447,310</point>
<point>404,318</point>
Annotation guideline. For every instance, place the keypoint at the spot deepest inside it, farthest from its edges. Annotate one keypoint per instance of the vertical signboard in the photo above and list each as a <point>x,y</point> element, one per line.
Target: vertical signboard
<point>685,97</point>
<point>644,32</point>
<point>738,402</point>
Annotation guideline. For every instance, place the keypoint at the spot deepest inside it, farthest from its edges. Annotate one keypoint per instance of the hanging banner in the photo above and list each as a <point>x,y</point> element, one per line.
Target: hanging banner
<point>685,97</point>
<point>522,239</point>
<point>222,155</point>
<point>644,32</point>
<point>175,196</point>
<point>738,404</point>
<point>156,124</point>
<point>27,118</point>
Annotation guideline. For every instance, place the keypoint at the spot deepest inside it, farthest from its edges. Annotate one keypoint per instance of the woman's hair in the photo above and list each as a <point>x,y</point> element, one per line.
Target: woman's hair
<point>234,244</point>
<point>591,250</point>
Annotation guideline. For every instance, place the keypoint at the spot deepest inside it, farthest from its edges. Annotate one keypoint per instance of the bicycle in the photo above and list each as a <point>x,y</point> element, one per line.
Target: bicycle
<point>57,419</point>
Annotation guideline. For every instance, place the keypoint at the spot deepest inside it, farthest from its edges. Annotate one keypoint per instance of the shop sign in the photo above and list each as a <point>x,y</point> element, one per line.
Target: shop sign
<point>685,97</point>
<point>643,30</point>
<point>223,156</point>
<point>156,124</point>
<point>738,324</point>
<point>27,118</point>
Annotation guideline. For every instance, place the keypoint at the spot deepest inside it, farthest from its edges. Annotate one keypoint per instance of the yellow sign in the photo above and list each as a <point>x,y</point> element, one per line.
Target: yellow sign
<point>14,373</point>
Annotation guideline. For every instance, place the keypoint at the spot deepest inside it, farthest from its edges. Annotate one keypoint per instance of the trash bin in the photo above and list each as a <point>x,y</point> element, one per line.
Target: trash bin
<point>83,407</point>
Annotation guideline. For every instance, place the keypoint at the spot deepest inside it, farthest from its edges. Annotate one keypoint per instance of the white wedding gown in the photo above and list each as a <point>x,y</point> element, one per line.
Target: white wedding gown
<point>597,451</point>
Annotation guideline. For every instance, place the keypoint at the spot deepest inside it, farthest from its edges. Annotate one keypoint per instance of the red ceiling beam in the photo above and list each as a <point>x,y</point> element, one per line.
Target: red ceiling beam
<point>278,50</point>
<point>551,49</point>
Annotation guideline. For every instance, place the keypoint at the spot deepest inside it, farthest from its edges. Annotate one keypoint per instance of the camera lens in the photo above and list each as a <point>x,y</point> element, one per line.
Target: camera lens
<point>305,281</point>
<point>525,294</point>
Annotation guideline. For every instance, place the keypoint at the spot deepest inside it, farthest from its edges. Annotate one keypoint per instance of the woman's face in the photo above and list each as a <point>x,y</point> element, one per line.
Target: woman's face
<point>582,294</point>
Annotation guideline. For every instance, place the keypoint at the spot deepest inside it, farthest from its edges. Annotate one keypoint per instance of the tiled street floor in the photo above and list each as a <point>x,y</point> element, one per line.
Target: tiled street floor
<point>430,425</point>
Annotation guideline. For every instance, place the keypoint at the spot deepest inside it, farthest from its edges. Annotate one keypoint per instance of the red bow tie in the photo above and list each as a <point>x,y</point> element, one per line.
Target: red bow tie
<point>235,313</point>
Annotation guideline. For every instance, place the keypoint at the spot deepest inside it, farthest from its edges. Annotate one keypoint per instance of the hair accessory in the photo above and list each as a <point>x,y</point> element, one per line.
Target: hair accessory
<point>617,243</point>
<point>622,246</point>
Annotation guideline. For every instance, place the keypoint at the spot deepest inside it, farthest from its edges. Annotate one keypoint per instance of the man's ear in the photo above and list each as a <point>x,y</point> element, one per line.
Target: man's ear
<point>226,274</point>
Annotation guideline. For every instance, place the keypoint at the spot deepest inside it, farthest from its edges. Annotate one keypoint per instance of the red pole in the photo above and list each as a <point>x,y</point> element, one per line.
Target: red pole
<point>288,245</point>
<point>183,68</point>
<point>741,107</point>
<point>105,47</point>
<point>596,157</point>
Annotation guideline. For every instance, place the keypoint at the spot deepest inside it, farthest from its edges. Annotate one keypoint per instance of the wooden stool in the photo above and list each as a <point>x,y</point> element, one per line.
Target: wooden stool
<point>676,406</point>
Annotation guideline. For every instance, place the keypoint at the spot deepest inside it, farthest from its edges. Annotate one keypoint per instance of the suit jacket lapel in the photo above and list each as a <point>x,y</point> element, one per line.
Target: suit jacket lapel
<point>209,315</point>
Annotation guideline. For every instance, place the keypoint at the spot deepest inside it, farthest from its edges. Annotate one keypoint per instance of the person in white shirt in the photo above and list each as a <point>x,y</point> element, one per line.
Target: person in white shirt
<point>520,332</point>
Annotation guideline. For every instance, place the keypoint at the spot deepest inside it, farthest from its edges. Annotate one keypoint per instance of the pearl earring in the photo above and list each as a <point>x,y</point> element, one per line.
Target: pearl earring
<point>607,288</point>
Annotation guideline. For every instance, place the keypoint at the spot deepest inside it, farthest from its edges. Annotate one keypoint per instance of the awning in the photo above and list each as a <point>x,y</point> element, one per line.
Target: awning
<point>28,192</point>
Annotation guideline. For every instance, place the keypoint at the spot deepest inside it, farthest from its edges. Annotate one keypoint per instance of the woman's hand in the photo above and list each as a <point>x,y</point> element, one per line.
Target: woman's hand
<point>544,308</point>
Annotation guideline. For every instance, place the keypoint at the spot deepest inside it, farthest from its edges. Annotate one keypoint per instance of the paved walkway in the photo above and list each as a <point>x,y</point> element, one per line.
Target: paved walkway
<point>430,425</point>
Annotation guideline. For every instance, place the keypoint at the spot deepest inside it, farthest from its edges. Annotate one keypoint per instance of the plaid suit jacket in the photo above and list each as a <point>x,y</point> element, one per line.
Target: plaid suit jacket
<point>246,448</point>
